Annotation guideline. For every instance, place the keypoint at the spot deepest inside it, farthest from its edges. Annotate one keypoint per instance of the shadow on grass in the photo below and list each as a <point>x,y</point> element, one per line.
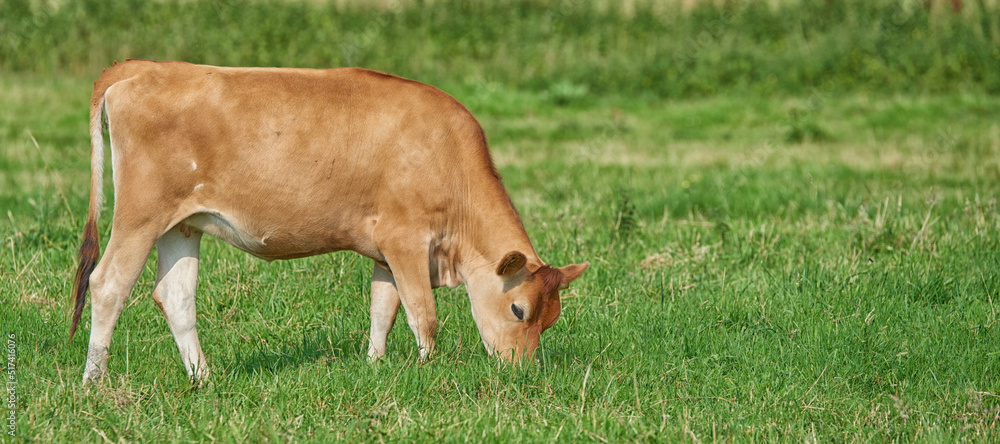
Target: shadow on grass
<point>309,348</point>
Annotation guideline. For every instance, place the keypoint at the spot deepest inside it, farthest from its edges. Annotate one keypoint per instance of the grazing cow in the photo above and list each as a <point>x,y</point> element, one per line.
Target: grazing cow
<point>287,163</point>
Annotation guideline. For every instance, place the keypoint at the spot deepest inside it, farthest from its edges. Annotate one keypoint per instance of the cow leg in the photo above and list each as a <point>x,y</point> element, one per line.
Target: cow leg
<point>110,285</point>
<point>174,293</point>
<point>385,305</point>
<point>411,270</point>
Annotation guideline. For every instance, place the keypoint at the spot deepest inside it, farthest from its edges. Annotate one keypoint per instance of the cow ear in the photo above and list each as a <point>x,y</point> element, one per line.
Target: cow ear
<point>511,263</point>
<point>570,273</point>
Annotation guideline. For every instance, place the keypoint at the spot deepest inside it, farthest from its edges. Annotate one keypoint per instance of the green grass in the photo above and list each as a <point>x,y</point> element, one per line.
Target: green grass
<point>744,285</point>
<point>790,212</point>
<point>565,48</point>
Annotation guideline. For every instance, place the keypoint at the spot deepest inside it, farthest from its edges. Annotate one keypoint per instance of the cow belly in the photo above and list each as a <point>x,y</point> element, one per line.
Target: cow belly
<point>272,242</point>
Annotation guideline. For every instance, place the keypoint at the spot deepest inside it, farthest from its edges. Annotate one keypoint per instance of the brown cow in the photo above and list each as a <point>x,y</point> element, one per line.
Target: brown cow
<point>287,163</point>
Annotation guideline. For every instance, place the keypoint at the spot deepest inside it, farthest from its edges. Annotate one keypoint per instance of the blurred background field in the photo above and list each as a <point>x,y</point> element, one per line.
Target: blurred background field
<point>790,207</point>
<point>570,48</point>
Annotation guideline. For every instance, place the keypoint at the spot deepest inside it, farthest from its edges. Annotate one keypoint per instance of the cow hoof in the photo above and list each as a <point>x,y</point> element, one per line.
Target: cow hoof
<point>425,354</point>
<point>93,377</point>
<point>198,381</point>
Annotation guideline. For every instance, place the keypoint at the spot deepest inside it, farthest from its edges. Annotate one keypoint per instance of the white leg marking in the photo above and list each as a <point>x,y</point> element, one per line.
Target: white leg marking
<point>385,305</point>
<point>110,285</point>
<point>176,283</point>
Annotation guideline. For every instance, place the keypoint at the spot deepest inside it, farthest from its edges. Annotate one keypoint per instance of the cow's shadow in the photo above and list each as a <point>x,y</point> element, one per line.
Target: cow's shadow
<point>308,348</point>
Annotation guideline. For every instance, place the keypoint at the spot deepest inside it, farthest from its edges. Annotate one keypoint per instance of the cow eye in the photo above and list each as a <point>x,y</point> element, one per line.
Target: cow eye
<point>517,311</point>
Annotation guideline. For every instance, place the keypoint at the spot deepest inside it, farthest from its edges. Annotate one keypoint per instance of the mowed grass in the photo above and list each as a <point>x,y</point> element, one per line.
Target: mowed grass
<point>822,267</point>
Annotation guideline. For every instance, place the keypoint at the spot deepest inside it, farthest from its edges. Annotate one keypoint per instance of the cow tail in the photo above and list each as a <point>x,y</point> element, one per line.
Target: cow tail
<point>90,249</point>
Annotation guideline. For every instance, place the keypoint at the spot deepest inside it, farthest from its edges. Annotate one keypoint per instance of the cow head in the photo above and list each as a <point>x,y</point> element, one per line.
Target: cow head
<point>521,302</point>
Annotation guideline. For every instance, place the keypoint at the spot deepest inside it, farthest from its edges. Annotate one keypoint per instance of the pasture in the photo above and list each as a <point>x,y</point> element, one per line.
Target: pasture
<point>777,258</point>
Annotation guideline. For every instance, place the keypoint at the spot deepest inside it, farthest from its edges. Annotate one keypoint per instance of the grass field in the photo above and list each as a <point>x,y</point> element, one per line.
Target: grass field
<point>807,264</point>
<point>650,48</point>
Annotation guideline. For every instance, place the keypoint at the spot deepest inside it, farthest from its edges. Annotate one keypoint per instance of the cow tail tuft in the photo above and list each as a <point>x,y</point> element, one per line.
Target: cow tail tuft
<point>91,247</point>
<point>89,251</point>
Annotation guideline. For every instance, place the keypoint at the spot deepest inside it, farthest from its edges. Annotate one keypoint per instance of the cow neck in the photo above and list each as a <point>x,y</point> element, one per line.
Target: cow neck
<point>491,228</point>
